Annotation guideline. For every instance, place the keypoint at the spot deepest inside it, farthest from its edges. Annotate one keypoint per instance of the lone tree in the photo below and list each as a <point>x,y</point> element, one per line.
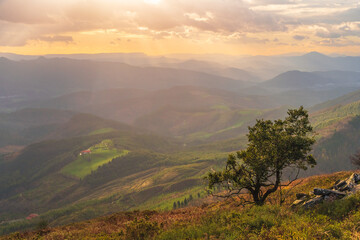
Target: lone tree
<point>273,146</point>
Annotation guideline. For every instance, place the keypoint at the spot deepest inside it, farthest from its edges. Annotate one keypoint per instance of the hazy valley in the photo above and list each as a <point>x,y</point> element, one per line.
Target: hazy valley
<point>154,126</point>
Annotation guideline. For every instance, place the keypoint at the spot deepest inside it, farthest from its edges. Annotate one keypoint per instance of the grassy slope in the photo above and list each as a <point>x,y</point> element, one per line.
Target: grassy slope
<point>343,100</point>
<point>100,154</point>
<point>329,120</point>
<point>84,165</point>
<point>223,220</point>
<point>145,178</point>
<point>102,131</point>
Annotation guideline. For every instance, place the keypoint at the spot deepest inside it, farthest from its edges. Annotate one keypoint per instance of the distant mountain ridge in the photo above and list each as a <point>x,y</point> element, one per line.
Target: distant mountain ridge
<point>53,77</point>
<point>31,125</point>
<point>265,67</point>
<point>126,105</point>
<point>315,80</point>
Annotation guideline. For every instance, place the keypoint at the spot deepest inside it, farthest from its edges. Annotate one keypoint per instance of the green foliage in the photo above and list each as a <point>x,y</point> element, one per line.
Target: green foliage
<point>273,147</point>
<point>337,210</point>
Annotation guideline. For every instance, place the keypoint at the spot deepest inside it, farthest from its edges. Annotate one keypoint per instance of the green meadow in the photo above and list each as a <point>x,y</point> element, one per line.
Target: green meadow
<point>101,154</point>
<point>102,131</point>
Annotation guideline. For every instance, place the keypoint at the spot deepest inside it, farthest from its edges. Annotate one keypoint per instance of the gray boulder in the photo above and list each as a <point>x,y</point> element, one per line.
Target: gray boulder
<point>325,192</point>
<point>339,184</point>
<point>314,201</point>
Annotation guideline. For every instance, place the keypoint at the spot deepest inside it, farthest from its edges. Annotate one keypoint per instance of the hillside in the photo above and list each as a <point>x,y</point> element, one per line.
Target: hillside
<point>44,78</point>
<point>315,80</point>
<point>343,100</point>
<point>270,66</point>
<point>331,119</point>
<point>26,126</point>
<point>189,112</point>
<point>127,169</point>
<point>126,105</point>
<point>212,68</point>
<point>220,219</point>
<point>133,169</point>
<point>31,125</point>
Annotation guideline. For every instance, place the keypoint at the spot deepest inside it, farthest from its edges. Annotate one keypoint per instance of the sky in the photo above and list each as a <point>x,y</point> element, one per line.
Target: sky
<point>158,27</point>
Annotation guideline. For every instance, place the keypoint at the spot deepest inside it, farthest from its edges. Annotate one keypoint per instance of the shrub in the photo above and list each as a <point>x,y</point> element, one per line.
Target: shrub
<point>141,229</point>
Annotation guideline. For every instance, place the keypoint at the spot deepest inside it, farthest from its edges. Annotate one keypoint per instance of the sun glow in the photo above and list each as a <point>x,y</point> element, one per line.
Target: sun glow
<point>155,2</point>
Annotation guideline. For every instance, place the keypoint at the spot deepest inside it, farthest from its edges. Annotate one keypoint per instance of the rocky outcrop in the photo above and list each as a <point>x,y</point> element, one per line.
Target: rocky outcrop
<point>340,189</point>
<point>326,192</point>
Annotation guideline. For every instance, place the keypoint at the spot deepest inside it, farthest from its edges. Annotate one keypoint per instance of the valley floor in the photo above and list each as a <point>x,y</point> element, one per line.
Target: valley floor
<point>223,220</point>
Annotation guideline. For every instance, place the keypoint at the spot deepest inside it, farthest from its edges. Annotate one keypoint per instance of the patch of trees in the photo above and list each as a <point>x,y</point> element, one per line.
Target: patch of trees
<point>185,202</point>
<point>124,166</point>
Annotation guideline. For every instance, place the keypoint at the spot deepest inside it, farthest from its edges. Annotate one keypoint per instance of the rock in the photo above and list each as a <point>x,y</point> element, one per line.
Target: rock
<point>297,203</point>
<point>340,189</point>
<point>352,178</point>
<point>355,189</point>
<point>350,183</point>
<point>312,202</point>
<point>339,184</point>
<point>302,196</point>
<point>325,192</point>
<point>356,177</point>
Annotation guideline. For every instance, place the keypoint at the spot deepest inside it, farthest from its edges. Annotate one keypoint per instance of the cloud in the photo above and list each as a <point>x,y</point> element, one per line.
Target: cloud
<point>200,20</point>
<point>28,12</point>
<point>345,29</point>
<point>299,37</point>
<point>327,34</point>
<point>338,43</point>
<point>65,39</point>
<point>12,34</point>
<point>350,15</point>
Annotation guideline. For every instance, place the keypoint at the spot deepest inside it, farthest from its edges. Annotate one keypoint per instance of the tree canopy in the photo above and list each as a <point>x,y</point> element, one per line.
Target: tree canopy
<point>273,146</point>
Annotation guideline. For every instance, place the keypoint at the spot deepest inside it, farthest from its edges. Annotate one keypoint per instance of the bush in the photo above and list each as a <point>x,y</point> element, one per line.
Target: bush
<point>141,229</point>
<point>337,210</point>
<point>42,224</point>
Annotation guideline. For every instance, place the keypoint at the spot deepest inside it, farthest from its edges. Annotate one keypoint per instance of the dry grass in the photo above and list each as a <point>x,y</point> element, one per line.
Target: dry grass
<point>130,225</point>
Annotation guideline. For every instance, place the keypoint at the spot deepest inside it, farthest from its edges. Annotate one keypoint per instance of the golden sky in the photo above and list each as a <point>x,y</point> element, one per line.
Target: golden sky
<point>155,27</point>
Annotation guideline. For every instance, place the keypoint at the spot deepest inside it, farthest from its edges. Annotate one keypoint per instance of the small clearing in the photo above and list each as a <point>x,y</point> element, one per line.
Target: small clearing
<point>101,154</point>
